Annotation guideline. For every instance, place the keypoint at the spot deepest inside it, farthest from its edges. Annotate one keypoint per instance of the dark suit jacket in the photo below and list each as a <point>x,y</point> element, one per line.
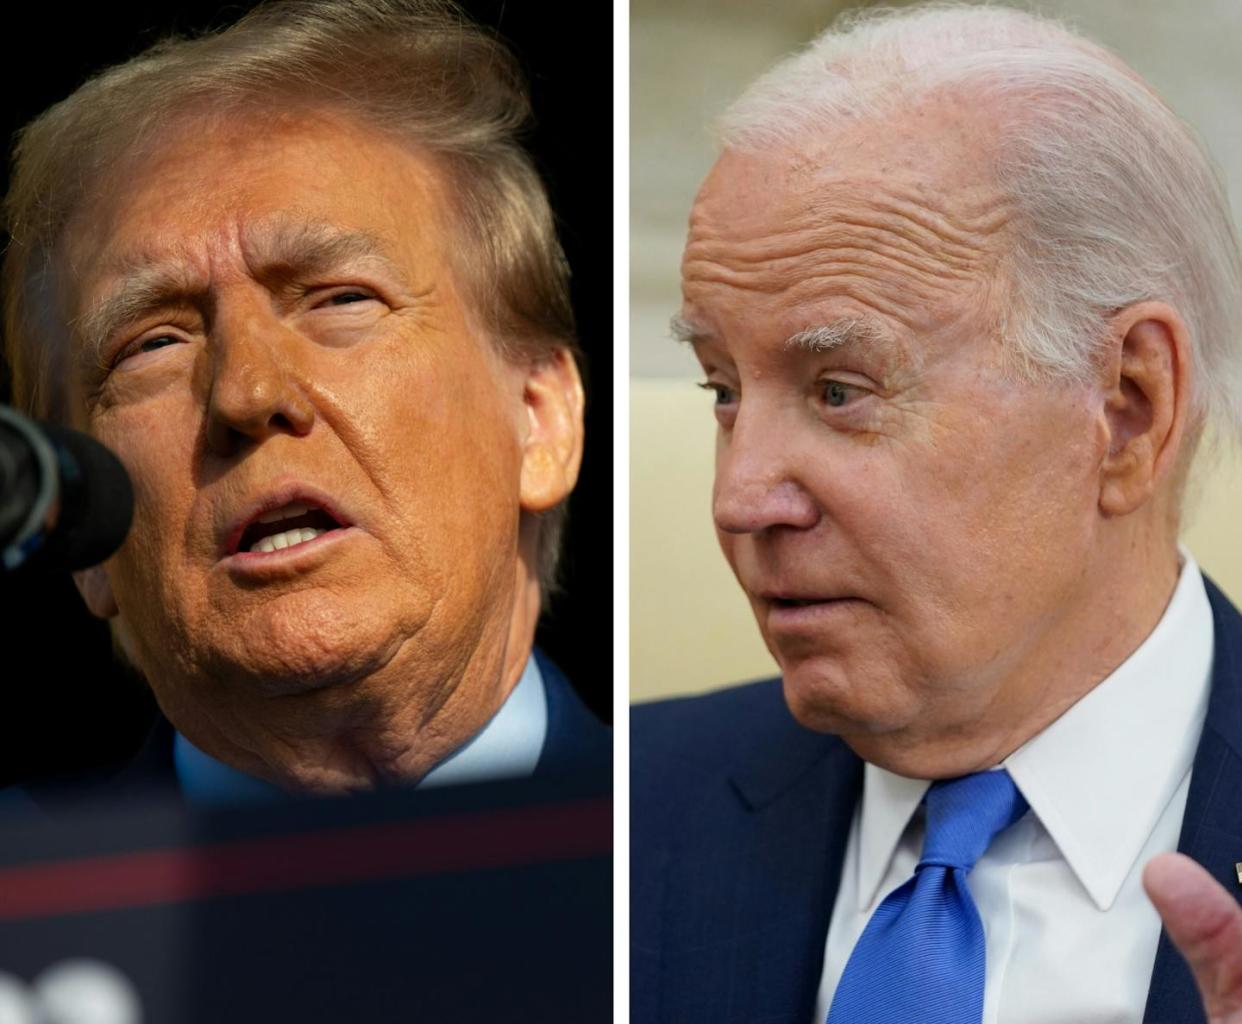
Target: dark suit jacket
<point>739,820</point>
<point>575,741</point>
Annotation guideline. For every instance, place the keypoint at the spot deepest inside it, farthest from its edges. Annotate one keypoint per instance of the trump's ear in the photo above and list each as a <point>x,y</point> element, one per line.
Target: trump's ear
<point>552,447</point>
<point>96,591</point>
<point>1147,382</point>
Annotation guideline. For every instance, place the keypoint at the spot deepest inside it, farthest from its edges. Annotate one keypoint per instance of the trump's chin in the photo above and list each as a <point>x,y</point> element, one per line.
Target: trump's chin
<point>303,647</point>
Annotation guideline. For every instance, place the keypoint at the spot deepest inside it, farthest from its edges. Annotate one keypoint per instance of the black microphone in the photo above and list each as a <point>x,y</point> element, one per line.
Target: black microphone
<point>66,501</point>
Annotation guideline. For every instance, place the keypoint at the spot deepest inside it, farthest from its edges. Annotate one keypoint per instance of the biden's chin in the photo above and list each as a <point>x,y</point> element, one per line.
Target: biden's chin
<point>884,714</point>
<point>849,696</point>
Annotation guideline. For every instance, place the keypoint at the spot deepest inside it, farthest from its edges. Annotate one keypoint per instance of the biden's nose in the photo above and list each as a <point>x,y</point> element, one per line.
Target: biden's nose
<point>758,486</point>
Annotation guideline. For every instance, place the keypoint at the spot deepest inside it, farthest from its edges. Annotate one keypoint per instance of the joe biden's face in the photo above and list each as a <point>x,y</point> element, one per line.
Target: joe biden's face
<point>908,516</point>
<point>328,580</point>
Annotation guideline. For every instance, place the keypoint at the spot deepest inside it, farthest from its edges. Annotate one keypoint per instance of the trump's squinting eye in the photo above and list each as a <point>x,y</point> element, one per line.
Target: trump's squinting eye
<point>161,341</point>
<point>348,298</point>
<point>144,346</point>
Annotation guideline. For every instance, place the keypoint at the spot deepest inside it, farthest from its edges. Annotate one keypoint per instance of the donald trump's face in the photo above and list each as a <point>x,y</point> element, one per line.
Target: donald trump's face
<point>330,577</point>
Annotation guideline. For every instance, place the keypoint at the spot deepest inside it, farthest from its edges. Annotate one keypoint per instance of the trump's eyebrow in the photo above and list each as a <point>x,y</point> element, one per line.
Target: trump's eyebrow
<point>282,251</point>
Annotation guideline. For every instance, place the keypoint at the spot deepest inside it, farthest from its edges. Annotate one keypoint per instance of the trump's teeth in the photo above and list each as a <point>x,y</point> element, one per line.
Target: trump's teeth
<point>288,512</point>
<point>286,540</point>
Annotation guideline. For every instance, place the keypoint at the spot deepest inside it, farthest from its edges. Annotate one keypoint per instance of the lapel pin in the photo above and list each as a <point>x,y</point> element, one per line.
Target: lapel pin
<point>1238,868</point>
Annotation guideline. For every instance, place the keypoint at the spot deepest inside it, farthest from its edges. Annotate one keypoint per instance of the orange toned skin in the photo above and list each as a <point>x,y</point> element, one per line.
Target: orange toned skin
<point>370,379</point>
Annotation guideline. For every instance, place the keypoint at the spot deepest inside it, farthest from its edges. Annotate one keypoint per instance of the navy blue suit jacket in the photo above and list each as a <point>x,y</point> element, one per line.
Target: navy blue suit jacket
<point>575,741</point>
<point>739,820</point>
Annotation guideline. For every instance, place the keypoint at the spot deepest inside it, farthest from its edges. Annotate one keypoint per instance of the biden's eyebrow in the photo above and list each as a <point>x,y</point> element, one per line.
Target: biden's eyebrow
<point>687,332</point>
<point>818,338</point>
<point>871,340</point>
<point>837,333</point>
<point>283,251</point>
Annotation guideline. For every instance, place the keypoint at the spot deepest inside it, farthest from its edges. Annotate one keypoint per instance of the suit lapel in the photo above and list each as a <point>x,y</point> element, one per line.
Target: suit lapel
<point>576,741</point>
<point>746,924</point>
<point>1212,826</point>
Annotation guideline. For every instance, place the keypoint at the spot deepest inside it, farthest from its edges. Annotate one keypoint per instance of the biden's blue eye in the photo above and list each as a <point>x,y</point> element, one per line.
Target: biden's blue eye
<point>837,393</point>
<point>724,395</point>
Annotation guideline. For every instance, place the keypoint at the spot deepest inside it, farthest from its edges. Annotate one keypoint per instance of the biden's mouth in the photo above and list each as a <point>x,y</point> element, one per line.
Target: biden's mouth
<point>795,596</point>
<point>784,613</point>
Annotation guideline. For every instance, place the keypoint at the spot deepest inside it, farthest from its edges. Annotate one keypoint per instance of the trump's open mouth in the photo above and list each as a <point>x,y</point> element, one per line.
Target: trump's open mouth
<point>293,524</point>
<point>286,517</point>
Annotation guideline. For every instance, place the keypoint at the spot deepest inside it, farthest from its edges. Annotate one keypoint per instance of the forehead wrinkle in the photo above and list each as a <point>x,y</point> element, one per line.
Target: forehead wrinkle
<point>835,242</point>
<point>892,239</point>
<point>301,245</point>
<point>961,232</point>
<point>896,291</point>
<point>911,308</point>
<point>887,285</point>
<point>887,230</point>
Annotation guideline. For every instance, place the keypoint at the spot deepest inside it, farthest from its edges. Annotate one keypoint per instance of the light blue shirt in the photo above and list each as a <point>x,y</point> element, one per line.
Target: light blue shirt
<point>507,747</point>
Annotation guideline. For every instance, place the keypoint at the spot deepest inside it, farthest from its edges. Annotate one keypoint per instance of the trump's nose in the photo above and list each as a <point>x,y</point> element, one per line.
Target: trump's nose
<point>757,484</point>
<point>254,391</point>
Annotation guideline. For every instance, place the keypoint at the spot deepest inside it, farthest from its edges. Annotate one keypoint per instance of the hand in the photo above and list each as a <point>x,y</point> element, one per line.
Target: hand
<point>1205,923</point>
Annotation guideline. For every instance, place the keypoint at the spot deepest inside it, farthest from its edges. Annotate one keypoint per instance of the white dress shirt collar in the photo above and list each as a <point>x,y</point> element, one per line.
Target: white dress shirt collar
<point>1089,776</point>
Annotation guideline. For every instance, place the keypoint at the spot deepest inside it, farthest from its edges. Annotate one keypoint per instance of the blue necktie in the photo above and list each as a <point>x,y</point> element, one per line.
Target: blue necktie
<point>920,959</point>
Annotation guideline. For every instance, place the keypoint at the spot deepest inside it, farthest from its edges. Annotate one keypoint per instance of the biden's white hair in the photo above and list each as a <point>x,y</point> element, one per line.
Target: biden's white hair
<point>1116,199</point>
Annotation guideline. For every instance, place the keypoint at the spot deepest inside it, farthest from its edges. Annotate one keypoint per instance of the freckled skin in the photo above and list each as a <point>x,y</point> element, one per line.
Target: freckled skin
<point>958,506</point>
<point>388,654</point>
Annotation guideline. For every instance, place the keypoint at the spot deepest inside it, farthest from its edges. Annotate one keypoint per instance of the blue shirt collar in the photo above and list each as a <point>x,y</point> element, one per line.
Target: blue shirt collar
<point>507,747</point>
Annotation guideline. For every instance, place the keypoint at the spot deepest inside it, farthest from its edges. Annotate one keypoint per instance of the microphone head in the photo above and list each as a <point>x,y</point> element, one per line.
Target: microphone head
<point>96,502</point>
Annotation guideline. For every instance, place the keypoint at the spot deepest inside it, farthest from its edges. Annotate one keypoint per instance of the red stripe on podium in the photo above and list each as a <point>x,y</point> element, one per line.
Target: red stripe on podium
<point>453,843</point>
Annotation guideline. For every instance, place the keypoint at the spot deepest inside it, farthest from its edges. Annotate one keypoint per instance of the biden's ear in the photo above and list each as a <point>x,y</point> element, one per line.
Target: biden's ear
<point>96,591</point>
<point>552,446</point>
<point>1147,404</point>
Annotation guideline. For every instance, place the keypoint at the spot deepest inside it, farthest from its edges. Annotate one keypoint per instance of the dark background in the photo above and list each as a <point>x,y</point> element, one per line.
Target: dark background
<point>66,704</point>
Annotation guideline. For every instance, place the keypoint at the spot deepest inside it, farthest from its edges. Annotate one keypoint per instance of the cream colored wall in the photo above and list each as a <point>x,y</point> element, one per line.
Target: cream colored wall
<point>1212,532</point>
<point>690,627</point>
